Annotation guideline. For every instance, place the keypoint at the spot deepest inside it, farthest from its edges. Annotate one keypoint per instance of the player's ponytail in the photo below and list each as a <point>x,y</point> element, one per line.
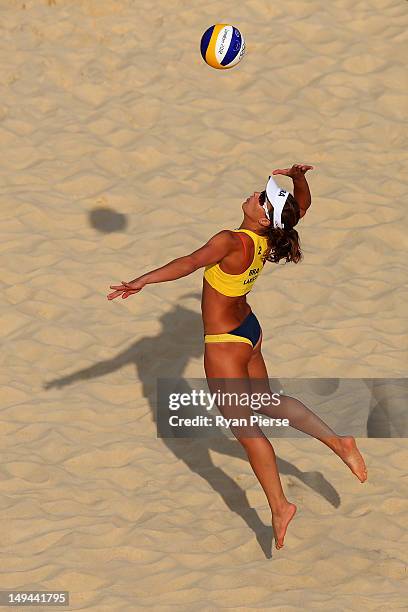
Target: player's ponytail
<point>284,243</point>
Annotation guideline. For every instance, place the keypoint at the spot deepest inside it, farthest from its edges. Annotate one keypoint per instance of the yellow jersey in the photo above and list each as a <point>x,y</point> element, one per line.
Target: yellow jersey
<point>234,285</point>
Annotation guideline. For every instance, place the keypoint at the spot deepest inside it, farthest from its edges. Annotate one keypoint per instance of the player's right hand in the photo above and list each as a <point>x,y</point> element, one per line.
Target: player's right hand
<point>126,289</point>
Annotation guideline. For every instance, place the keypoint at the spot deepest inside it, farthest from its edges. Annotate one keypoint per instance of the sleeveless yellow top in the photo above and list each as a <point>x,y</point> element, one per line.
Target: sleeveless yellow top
<point>234,285</point>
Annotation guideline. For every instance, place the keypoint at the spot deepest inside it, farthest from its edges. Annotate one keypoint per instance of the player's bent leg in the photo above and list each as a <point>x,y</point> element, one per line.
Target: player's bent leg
<point>226,367</point>
<point>303,419</point>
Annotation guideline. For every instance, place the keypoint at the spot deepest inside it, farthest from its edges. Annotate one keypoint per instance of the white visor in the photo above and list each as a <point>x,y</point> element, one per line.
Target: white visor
<point>277,197</point>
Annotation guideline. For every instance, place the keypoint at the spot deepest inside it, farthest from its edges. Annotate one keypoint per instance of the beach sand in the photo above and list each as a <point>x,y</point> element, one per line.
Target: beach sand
<point>122,150</point>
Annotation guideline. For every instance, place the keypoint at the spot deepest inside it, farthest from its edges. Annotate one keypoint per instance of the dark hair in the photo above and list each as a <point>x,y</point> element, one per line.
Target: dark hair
<point>284,243</point>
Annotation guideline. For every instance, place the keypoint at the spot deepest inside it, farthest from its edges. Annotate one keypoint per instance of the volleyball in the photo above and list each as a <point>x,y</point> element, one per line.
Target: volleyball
<point>222,46</point>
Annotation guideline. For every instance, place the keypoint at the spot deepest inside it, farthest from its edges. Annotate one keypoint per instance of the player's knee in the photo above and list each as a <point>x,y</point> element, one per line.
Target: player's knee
<point>244,441</point>
<point>248,442</point>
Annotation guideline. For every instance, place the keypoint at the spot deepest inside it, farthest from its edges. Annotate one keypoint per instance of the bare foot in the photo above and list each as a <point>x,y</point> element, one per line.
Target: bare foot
<point>347,451</point>
<point>280,522</point>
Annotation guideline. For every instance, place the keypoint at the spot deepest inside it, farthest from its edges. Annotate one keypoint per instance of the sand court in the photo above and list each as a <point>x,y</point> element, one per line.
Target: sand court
<point>122,150</point>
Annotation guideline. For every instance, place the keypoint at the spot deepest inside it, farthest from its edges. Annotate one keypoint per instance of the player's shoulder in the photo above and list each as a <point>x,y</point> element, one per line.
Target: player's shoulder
<point>225,235</point>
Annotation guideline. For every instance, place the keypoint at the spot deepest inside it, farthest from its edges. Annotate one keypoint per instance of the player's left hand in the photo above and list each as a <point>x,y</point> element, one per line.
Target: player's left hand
<point>296,171</point>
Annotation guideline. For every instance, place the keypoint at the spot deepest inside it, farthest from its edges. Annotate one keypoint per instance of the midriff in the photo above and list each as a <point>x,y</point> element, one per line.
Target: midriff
<point>222,313</point>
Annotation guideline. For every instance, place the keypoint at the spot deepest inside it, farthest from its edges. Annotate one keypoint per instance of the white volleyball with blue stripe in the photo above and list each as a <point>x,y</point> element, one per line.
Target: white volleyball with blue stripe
<point>222,46</point>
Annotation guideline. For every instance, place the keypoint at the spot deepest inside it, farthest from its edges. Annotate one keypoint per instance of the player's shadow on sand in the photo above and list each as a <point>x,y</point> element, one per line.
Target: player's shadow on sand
<point>387,416</point>
<point>168,353</point>
<point>386,399</point>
